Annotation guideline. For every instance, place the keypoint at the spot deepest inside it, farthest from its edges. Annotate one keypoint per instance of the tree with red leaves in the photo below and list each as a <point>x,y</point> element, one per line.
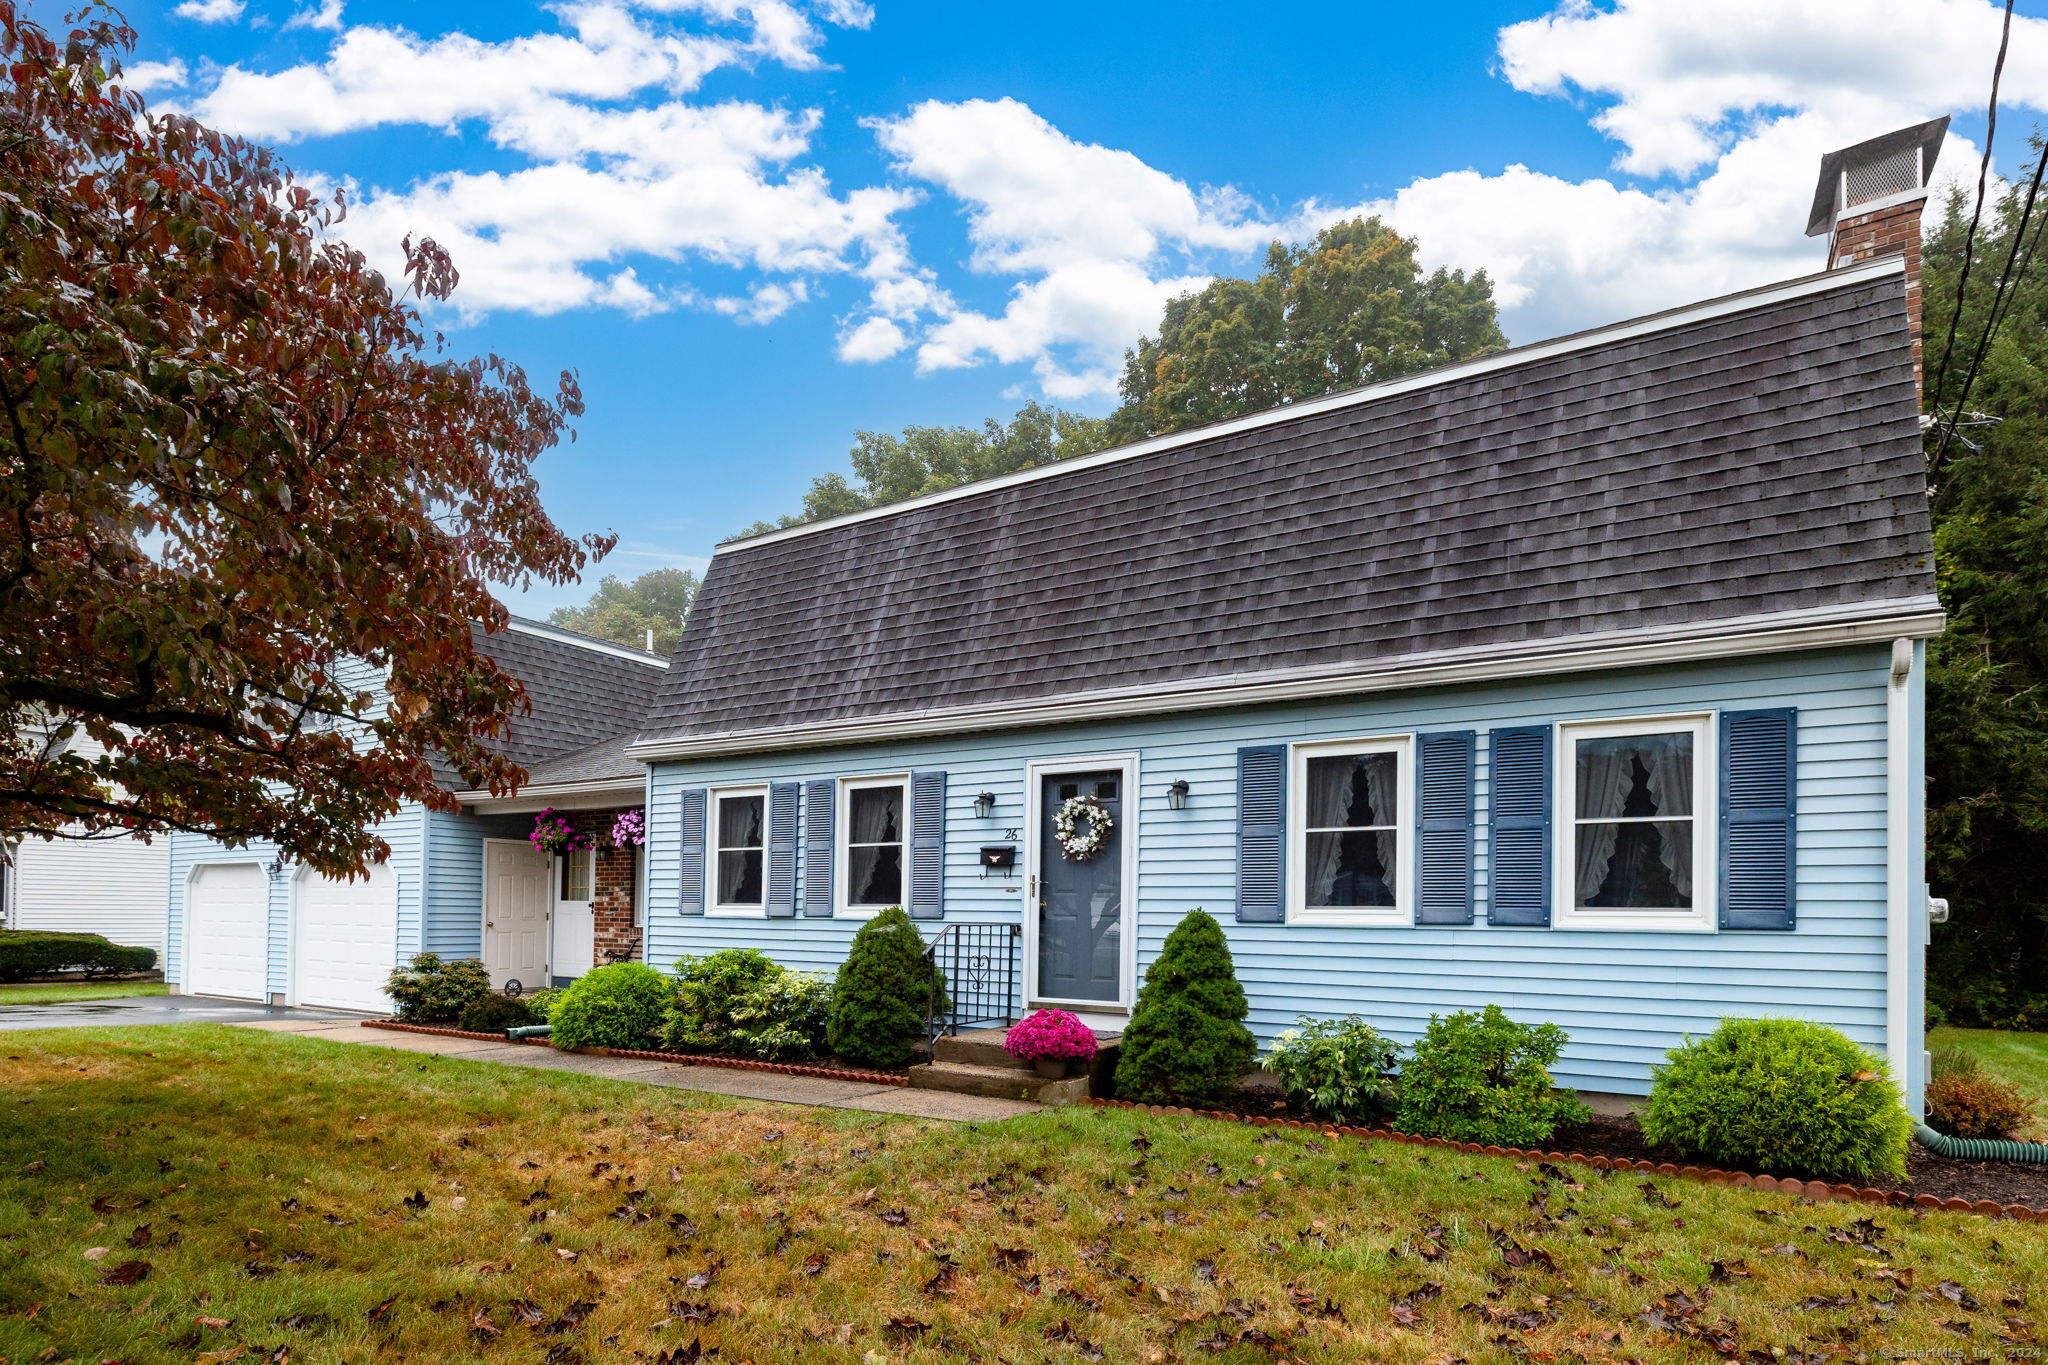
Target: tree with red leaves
<point>249,508</point>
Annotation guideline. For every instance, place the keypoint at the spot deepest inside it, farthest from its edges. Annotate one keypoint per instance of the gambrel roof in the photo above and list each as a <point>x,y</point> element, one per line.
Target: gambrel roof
<point>1742,467</point>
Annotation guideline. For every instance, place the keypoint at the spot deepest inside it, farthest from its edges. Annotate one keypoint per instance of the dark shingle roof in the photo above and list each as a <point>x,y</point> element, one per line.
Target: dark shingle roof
<point>582,689</point>
<point>1737,460</point>
<point>594,763</point>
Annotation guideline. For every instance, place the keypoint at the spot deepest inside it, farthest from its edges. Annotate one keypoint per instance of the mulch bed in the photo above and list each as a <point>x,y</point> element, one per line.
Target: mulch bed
<point>2001,1182</point>
<point>830,1068</point>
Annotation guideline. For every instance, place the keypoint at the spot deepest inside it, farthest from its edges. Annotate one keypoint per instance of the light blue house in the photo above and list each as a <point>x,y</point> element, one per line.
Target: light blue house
<point>1584,679</point>
<point>245,924</point>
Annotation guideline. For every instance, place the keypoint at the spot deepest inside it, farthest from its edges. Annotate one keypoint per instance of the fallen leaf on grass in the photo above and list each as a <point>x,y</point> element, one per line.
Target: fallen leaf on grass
<point>140,1237</point>
<point>95,1253</point>
<point>128,1272</point>
<point>217,1324</point>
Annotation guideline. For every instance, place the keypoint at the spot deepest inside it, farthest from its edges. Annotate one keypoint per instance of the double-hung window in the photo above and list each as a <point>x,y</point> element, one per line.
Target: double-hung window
<point>871,843</point>
<point>1635,845</point>
<point>739,821</point>
<point>1348,857</point>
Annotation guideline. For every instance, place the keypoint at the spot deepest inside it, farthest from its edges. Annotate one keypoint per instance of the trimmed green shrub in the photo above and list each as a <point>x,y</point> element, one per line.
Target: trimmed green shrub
<point>495,1013</point>
<point>1977,1106</point>
<point>1187,1043</point>
<point>433,990</point>
<point>1340,1069</point>
<point>706,991</point>
<point>783,1018</point>
<point>881,993</point>
<point>1485,1078</point>
<point>542,1002</point>
<point>1780,1095</point>
<point>37,952</point>
<point>615,1006</point>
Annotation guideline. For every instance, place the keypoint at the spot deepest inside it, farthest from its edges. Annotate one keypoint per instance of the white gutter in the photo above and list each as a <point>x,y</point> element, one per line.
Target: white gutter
<point>1900,921</point>
<point>1777,632</point>
<point>548,793</point>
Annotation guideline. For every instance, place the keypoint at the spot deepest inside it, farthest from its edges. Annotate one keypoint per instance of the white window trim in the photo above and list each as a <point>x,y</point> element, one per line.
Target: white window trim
<point>1401,914</point>
<point>712,848</point>
<point>1704,916</point>
<point>842,844</point>
<point>562,877</point>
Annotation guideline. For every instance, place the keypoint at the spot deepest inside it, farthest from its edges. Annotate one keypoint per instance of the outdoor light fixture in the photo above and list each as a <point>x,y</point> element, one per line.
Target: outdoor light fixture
<point>1177,794</point>
<point>984,805</point>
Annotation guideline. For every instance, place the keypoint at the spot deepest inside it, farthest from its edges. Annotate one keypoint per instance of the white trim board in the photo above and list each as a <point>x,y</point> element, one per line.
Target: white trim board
<point>540,629</point>
<point>1764,297</point>
<point>1736,637</point>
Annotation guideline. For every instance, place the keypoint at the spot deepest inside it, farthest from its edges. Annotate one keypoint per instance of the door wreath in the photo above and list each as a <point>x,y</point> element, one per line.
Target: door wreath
<point>1082,826</point>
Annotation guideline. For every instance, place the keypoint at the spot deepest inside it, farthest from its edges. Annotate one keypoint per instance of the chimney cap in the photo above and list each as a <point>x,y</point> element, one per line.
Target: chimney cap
<point>1827,193</point>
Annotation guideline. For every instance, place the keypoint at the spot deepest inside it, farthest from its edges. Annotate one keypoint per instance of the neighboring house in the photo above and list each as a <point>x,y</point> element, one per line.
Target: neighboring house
<point>245,924</point>
<point>112,886</point>
<point>1584,679</point>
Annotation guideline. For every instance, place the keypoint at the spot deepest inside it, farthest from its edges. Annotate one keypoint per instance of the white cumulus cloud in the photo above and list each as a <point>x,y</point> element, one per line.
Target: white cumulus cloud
<point>210,11</point>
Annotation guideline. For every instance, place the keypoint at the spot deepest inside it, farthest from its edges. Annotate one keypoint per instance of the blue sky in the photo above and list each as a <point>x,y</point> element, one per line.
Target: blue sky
<point>756,228</point>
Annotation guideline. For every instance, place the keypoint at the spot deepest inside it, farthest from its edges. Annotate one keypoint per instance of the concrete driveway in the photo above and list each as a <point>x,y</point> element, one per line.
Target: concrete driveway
<point>153,1009</point>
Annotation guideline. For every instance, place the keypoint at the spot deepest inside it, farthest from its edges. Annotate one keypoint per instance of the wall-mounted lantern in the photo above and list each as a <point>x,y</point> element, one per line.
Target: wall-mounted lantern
<point>984,805</point>
<point>1177,794</point>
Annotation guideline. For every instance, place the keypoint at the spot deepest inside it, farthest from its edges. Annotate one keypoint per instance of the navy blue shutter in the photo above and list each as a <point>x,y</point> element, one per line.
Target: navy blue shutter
<point>928,845</point>
<point>1759,813</point>
<point>690,863</point>
<point>782,849</point>
<point>1519,849</point>
<point>1262,833</point>
<point>1443,828</point>
<point>819,831</point>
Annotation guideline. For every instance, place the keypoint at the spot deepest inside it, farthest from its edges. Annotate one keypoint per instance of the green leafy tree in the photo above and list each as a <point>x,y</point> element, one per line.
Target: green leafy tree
<point>657,601</point>
<point>1987,696</point>
<point>235,469</point>
<point>880,994</point>
<point>1350,307</point>
<point>1187,1043</point>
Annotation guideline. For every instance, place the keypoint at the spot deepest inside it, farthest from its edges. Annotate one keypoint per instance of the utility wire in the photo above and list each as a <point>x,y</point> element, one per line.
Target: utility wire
<point>1983,174</point>
<point>2001,303</point>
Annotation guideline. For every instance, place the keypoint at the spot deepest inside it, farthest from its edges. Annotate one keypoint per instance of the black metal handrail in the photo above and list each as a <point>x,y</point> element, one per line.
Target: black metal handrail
<point>976,972</point>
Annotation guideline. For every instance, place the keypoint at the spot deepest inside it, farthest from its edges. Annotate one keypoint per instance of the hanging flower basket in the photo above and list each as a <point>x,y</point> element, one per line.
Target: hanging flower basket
<point>630,829</point>
<point>553,834</point>
<point>1082,825</point>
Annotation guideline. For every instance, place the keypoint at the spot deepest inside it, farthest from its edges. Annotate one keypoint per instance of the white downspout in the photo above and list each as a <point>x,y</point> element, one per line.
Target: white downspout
<point>1900,925</point>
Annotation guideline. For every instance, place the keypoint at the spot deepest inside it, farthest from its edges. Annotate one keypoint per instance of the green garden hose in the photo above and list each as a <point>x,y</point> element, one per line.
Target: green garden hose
<point>1980,1149</point>
<point>513,1035</point>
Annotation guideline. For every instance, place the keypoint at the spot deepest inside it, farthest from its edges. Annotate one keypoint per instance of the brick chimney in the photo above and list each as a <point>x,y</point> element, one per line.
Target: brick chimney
<point>1868,202</point>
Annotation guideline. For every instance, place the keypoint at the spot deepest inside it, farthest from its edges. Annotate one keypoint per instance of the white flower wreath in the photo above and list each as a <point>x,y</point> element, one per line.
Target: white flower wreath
<point>1078,841</point>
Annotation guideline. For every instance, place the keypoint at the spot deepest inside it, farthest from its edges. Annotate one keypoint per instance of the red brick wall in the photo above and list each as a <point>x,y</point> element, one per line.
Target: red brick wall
<point>611,904</point>
<point>1890,231</point>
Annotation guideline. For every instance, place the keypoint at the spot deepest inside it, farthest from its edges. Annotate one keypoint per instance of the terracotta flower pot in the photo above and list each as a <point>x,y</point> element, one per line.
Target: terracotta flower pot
<point>1050,1068</point>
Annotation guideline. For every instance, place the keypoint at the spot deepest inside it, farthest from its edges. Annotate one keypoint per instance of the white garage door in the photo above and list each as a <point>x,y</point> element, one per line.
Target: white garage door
<point>227,930</point>
<point>344,941</point>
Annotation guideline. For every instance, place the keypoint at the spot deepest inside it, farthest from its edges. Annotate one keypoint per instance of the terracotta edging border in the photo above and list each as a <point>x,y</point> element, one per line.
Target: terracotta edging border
<point>638,1054</point>
<point>1817,1190</point>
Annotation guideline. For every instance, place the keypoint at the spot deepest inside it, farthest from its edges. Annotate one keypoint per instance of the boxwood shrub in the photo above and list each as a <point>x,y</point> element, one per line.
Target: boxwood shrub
<point>26,953</point>
<point>431,989</point>
<point>495,1013</point>
<point>620,1006</point>
<point>1485,1078</point>
<point>1782,1096</point>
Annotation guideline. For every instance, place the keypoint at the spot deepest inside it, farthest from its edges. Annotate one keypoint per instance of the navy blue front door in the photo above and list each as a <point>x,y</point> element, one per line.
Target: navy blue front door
<point>1080,904</point>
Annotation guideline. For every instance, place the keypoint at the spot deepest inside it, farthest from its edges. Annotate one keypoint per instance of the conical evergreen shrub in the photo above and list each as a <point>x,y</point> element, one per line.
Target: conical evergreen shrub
<point>878,998</point>
<point>1187,1043</point>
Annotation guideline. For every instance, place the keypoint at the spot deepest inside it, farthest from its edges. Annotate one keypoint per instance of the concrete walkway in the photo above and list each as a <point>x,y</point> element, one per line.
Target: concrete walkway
<point>751,1085</point>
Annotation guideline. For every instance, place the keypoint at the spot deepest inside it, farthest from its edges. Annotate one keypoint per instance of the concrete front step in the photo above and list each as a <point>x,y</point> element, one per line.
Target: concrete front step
<point>984,1047</point>
<point>998,1082</point>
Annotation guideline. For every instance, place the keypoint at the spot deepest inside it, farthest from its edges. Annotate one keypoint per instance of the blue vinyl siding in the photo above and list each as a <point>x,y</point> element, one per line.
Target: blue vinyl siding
<point>1624,996</point>
<point>454,920</point>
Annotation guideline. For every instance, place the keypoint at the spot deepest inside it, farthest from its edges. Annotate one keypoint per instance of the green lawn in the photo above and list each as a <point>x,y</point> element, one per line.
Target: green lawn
<point>2019,1059</point>
<point>64,993</point>
<point>203,1193</point>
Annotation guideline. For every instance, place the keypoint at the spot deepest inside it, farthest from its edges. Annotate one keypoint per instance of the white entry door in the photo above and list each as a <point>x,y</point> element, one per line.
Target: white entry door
<point>575,936</point>
<point>227,931</point>
<point>344,941</point>
<point>515,913</point>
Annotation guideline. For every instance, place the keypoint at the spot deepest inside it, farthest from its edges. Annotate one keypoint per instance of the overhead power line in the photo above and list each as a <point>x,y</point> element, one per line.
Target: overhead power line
<point>1976,212</point>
